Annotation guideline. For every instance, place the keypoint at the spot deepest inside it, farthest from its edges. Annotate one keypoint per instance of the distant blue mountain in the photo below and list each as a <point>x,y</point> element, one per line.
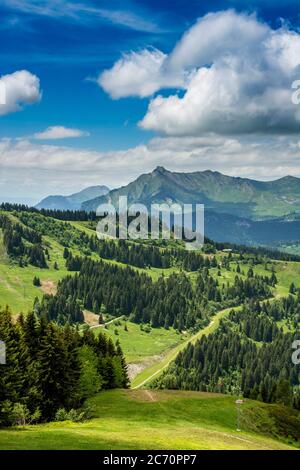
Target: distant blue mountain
<point>74,201</point>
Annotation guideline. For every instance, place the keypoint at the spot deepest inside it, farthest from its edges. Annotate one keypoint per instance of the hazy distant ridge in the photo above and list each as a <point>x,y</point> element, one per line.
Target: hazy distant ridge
<point>74,201</point>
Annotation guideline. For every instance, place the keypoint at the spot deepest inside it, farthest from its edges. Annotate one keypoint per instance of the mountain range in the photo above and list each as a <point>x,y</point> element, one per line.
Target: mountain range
<point>243,197</point>
<point>237,210</point>
<point>74,201</point>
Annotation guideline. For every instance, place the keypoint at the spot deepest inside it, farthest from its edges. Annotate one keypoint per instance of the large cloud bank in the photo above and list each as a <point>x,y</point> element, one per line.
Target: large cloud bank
<point>234,72</point>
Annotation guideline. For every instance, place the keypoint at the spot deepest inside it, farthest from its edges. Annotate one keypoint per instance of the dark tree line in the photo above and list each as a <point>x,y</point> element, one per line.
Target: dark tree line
<point>258,326</point>
<point>257,251</point>
<point>59,308</point>
<point>253,287</point>
<point>74,215</point>
<point>287,309</point>
<point>127,252</point>
<point>49,368</point>
<point>175,301</point>
<point>123,291</point>
<point>260,253</point>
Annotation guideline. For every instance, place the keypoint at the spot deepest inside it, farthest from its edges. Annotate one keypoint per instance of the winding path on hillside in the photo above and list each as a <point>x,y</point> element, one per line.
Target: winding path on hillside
<point>154,370</point>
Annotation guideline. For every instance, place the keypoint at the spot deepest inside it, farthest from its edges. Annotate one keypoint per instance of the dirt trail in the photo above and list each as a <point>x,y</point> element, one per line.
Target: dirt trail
<point>170,356</point>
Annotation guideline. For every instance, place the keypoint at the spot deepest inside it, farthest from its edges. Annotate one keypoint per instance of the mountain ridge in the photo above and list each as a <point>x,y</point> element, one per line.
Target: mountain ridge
<point>73,201</point>
<point>239,210</point>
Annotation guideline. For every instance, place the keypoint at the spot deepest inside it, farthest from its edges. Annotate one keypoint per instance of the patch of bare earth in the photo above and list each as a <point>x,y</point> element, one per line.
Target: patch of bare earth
<point>48,287</point>
<point>165,395</point>
<point>144,395</point>
<point>134,369</point>
<point>90,318</point>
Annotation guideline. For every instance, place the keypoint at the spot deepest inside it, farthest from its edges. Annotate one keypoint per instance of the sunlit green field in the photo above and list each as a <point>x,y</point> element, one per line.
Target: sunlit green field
<point>144,419</point>
<point>286,274</point>
<point>16,284</point>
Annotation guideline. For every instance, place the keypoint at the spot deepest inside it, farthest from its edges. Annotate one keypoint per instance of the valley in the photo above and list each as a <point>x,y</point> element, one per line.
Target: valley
<point>150,349</point>
<point>149,232</point>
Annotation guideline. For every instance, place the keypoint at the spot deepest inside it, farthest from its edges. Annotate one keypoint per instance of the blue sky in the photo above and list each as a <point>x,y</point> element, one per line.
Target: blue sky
<point>68,45</point>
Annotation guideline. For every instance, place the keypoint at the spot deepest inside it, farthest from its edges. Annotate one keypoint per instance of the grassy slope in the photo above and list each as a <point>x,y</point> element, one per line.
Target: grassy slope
<point>155,369</point>
<point>145,419</point>
<point>155,350</point>
<point>17,291</point>
<point>138,345</point>
<point>286,274</point>
<point>155,273</point>
<point>16,287</point>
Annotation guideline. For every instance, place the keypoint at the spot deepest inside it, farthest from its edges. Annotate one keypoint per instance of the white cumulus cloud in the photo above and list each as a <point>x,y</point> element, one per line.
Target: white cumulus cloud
<point>38,170</point>
<point>59,132</point>
<point>18,89</point>
<point>135,74</point>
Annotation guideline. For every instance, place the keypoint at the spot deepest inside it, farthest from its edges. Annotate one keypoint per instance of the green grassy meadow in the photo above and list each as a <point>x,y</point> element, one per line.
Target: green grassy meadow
<point>143,419</point>
<point>138,345</point>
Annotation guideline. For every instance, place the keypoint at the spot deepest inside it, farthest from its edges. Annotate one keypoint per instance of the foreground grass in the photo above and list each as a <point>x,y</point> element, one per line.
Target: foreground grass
<point>144,419</point>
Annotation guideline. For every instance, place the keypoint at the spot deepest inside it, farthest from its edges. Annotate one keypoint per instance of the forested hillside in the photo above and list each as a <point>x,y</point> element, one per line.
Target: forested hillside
<point>84,300</point>
<point>51,370</point>
<point>250,353</point>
